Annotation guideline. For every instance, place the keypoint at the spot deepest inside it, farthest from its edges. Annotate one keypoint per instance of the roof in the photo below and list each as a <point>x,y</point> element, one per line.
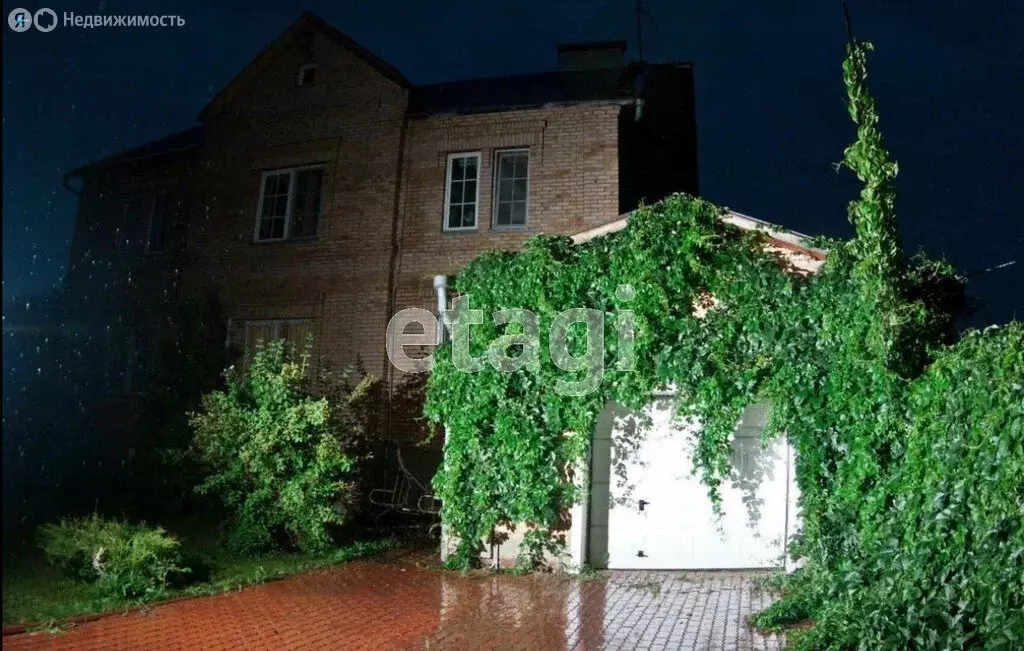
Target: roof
<point>466,96</point>
<point>307,21</point>
<point>515,92</point>
<point>180,141</point>
<point>782,239</point>
<point>338,37</point>
<point>613,85</point>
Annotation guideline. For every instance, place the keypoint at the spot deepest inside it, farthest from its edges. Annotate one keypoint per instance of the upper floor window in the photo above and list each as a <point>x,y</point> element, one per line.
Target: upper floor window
<point>159,223</point>
<point>290,204</point>
<point>145,221</point>
<point>307,74</point>
<point>462,192</point>
<point>511,187</point>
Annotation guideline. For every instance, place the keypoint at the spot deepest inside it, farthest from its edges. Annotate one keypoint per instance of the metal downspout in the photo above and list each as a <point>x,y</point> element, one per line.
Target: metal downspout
<point>441,288</point>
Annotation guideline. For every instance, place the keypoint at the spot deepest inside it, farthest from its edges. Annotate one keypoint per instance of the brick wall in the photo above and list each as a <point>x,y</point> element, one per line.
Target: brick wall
<point>350,121</point>
<point>115,285</point>
<point>353,122</point>
<point>573,182</point>
<point>109,265</point>
<point>573,186</point>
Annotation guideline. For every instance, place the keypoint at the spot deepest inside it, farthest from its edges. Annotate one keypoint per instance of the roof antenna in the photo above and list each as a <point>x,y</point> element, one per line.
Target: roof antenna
<point>639,31</point>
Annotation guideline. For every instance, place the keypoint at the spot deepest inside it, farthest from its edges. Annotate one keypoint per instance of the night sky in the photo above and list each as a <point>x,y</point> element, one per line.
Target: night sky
<point>948,75</point>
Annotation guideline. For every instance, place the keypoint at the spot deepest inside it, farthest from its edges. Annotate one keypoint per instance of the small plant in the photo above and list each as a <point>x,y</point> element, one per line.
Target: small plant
<point>650,585</point>
<point>123,559</point>
<point>52,627</point>
<point>589,573</point>
<point>780,615</point>
<point>774,582</point>
<point>278,456</point>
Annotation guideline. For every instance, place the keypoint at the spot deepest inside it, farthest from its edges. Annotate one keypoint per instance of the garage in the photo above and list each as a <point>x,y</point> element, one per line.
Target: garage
<point>647,511</point>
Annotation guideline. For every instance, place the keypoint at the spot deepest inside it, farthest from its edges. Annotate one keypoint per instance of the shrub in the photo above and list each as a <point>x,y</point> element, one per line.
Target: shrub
<point>278,456</point>
<point>909,452</point>
<point>941,559</point>
<point>125,560</point>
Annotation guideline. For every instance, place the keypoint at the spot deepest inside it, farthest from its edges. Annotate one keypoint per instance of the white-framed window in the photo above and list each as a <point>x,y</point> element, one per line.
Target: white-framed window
<point>511,188</point>
<point>307,74</point>
<point>294,331</point>
<point>290,204</point>
<point>462,192</point>
<point>159,223</point>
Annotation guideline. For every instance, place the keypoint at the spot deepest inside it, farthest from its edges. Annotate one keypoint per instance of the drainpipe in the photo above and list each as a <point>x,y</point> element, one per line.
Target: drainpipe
<point>394,265</point>
<point>441,287</point>
<point>227,340</point>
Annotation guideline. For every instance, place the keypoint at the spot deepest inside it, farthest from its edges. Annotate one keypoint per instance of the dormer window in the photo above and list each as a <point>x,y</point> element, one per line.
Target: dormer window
<point>306,74</point>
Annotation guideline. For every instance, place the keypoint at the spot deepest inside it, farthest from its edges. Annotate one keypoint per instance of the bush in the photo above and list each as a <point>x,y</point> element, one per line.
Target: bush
<point>277,456</point>
<point>125,560</point>
<point>941,559</point>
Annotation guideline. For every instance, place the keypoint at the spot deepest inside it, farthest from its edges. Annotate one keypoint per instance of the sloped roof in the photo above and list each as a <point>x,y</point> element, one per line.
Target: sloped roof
<point>306,21</point>
<point>340,38</point>
<point>787,240</point>
<point>523,91</point>
<point>180,141</point>
<point>615,85</point>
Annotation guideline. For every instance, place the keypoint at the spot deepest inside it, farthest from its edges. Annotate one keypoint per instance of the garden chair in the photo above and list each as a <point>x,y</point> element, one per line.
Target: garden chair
<point>407,496</point>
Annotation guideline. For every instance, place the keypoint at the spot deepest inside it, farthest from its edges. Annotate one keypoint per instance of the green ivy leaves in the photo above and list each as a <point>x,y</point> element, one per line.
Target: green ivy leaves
<point>910,453</point>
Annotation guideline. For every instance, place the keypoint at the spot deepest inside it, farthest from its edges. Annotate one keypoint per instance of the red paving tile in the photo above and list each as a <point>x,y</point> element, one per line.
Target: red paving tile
<point>396,605</point>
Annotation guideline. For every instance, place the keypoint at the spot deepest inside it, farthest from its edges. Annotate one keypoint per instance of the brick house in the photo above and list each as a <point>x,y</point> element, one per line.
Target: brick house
<point>323,191</point>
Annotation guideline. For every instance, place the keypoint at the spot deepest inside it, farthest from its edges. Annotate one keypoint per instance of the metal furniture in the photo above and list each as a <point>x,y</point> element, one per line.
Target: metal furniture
<point>407,496</point>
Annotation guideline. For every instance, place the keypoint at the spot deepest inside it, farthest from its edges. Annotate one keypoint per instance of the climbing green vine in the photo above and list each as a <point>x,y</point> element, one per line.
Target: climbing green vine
<point>909,449</point>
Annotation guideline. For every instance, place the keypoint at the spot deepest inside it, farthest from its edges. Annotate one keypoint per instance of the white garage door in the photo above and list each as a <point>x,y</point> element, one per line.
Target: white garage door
<point>661,518</point>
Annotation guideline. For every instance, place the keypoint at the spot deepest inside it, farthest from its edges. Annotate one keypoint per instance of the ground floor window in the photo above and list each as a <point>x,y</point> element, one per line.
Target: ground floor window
<point>295,331</point>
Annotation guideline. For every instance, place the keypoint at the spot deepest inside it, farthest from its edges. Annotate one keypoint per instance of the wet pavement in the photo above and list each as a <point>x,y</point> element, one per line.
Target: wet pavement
<point>396,603</point>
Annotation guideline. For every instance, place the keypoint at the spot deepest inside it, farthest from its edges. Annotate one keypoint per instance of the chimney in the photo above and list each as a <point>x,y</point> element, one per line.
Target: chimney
<point>596,55</point>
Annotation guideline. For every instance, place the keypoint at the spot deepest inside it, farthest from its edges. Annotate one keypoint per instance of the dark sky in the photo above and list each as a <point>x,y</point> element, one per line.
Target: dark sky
<point>948,74</point>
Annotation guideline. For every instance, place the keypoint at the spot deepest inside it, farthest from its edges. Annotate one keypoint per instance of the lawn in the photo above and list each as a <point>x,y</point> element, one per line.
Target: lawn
<point>34,592</point>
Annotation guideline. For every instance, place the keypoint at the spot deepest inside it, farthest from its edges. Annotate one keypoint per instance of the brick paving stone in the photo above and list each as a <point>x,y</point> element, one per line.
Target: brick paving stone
<point>396,604</point>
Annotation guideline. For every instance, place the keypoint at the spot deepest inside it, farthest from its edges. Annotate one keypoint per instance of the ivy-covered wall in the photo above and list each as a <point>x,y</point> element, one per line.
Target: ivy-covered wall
<point>910,450</point>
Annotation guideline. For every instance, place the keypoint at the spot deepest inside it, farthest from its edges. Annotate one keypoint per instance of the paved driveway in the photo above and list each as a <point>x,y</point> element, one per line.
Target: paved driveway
<point>396,604</point>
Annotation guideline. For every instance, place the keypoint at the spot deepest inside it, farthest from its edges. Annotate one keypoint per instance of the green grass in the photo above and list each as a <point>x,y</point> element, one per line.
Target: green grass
<point>36,593</point>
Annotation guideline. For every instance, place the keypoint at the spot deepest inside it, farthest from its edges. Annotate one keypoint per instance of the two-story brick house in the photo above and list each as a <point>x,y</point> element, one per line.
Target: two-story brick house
<point>323,191</point>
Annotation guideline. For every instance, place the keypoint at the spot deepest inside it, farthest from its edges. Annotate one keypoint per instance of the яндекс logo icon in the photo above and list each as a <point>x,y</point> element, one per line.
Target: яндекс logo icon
<point>19,20</point>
